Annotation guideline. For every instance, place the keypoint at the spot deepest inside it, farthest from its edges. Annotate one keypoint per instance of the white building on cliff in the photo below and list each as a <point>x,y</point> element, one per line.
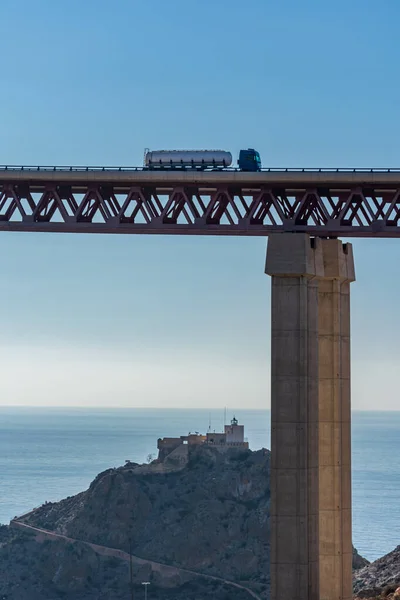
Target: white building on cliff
<point>232,437</point>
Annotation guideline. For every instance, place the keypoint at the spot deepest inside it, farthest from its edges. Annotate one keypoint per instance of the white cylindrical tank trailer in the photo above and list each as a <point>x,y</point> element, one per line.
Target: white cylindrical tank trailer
<point>193,158</point>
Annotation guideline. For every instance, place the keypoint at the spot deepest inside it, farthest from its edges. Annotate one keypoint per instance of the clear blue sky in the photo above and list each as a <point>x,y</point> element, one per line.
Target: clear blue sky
<point>185,321</point>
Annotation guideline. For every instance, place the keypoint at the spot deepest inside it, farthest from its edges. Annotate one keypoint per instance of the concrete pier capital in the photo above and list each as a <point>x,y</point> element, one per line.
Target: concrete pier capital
<point>338,260</point>
<point>294,255</point>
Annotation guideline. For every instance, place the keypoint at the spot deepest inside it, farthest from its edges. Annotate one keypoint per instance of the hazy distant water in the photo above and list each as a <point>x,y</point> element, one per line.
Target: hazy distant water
<point>48,454</point>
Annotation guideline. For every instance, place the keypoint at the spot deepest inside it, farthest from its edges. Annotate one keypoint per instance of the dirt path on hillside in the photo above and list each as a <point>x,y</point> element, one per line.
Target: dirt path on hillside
<point>161,568</point>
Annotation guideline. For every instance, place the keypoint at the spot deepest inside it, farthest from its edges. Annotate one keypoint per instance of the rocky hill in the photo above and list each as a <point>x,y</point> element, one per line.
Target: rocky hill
<point>359,561</point>
<point>206,512</point>
<point>200,510</point>
<point>381,575</point>
<point>211,516</point>
<point>71,571</point>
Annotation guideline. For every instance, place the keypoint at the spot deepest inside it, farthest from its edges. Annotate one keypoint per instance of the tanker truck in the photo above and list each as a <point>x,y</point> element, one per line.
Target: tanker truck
<point>200,160</point>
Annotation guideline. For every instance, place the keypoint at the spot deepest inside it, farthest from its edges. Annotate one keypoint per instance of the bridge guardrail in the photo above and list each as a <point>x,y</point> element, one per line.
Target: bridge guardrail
<point>63,169</point>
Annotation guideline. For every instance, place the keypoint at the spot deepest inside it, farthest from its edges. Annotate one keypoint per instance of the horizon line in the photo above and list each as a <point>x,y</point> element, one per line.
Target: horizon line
<point>182,408</point>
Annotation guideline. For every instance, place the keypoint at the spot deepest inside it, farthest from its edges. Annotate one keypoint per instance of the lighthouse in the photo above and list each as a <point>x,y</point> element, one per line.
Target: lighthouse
<point>234,432</point>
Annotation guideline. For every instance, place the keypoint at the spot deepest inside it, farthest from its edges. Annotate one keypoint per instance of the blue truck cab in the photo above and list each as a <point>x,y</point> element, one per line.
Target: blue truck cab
<point>249,160</point>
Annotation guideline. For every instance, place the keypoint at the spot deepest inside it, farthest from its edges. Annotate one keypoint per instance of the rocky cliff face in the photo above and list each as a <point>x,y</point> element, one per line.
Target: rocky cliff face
<point>359,561</point>
<point>210,516</point>
<point>60,570</point>
<point>200,509</point>
<point>372,579</point>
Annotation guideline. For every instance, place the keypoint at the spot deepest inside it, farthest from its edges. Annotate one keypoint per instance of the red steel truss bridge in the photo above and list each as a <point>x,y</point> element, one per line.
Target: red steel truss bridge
<point>321,202</point>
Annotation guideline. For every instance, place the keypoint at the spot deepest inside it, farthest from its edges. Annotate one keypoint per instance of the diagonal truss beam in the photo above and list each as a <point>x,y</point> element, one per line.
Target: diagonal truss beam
<point>199,208</point>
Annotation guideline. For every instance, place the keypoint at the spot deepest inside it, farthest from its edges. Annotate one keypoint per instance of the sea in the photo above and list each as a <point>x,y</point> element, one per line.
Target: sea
<point>51,453</point>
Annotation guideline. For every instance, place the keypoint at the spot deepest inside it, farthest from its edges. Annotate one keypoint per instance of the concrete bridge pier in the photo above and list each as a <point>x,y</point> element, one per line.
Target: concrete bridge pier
<point>311,547</point>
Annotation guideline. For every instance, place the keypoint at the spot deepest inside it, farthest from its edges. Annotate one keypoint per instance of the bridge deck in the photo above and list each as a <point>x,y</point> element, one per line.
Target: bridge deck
<point>341,178</point>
